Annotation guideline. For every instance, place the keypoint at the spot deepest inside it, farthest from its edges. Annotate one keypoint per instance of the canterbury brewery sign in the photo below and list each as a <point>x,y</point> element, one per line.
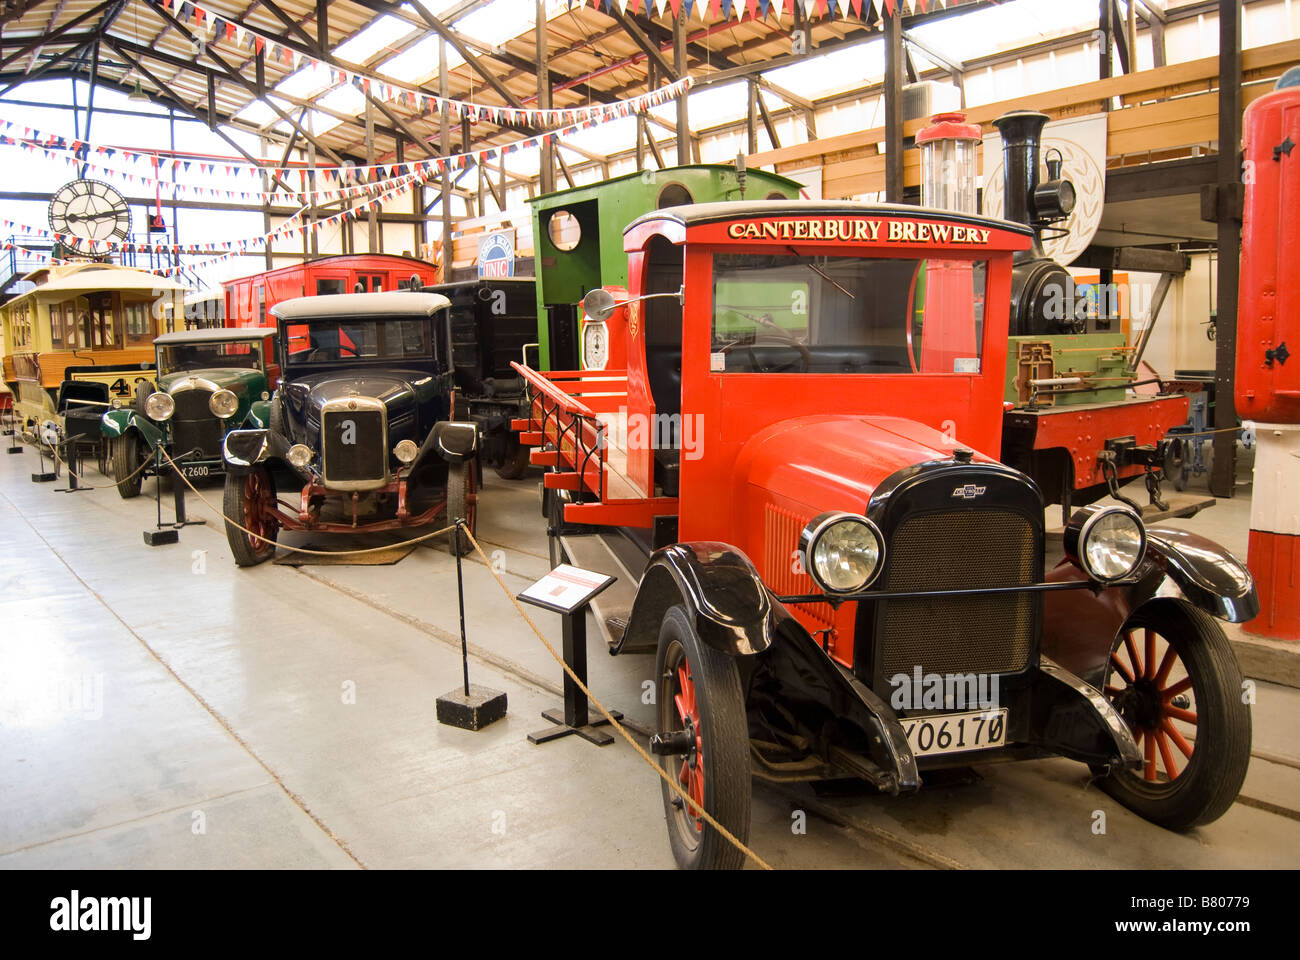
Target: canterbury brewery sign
<point>859,231</point>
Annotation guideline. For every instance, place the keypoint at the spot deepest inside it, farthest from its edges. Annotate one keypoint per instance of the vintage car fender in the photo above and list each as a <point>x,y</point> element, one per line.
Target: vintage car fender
<point>723,593</point>
<point>258,416</point>
<point>1080,626</point>
<point>243,448</point>
<point>734,612</point>
<point>1204,573</point>
<point>454,440</point>
<point>116,423</point>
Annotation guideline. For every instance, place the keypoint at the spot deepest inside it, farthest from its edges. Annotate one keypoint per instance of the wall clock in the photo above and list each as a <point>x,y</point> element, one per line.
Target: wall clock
<point>90,210</point>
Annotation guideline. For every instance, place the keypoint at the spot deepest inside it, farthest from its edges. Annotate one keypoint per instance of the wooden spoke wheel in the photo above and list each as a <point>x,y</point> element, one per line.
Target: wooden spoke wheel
<point>249,500</point>
<point>702,709</point>
<point>1175,680</point>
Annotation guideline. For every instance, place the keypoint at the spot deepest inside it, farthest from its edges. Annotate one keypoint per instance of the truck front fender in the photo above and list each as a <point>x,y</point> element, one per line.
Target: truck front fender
<point>259,415</point>
<point>1206,574</point>
<point>723,594</point>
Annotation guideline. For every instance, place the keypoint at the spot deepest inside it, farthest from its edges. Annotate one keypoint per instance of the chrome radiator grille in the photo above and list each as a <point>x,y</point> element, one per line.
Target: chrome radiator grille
<point>955,550</point>
<point>194,426</point>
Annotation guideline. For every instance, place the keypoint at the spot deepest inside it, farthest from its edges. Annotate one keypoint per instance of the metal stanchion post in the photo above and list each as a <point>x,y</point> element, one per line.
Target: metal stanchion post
<point>470,707</point>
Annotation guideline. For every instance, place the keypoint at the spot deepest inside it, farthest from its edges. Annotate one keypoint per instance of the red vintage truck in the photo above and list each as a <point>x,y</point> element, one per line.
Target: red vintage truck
<point>790,453</point>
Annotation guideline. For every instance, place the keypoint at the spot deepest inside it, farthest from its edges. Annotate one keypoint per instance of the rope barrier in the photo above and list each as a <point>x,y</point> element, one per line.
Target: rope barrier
<point>622,731</point>
<point>81,480</point>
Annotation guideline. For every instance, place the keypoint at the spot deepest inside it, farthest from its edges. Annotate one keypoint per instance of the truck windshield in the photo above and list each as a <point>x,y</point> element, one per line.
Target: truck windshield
<point>202,356</point>
<point>787,313</point>
<point>341,338</point>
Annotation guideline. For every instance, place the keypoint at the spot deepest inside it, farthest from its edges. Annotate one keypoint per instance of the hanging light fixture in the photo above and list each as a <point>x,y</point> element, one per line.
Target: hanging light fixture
<point>138,95</point>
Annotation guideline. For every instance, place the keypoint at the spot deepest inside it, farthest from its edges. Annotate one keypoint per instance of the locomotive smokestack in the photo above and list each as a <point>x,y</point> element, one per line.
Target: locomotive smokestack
<point>1022,132</point>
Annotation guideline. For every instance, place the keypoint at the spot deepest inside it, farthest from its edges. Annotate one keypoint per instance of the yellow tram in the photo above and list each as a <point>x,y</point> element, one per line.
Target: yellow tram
<point>84,332</point>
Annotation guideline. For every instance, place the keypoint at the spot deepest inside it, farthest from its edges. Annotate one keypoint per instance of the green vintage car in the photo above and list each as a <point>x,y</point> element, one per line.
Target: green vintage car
<point>209,382</point>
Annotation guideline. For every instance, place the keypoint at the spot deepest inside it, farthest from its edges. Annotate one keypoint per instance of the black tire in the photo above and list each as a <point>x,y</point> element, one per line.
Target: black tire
<point>709,683</point>
<point>142,391</point>
<point>1192,659</point>
<point>125,454</point>
<point>516,463</point>
<point>462,501</point>
<point>246,500</point>
<point>275,420</point>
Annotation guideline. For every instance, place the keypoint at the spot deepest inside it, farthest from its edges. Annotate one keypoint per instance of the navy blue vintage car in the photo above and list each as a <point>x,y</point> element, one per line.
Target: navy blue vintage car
<point>361,426</point>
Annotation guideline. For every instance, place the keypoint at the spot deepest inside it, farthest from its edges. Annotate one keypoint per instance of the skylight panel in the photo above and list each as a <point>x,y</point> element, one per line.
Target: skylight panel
<point>381,33</point>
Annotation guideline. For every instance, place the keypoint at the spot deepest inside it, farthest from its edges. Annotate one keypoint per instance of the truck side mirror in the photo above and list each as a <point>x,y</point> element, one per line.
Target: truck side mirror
<point>598,304</point>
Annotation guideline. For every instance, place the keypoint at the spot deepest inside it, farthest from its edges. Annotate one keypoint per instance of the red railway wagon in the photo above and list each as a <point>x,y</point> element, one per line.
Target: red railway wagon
<point>249,299</point>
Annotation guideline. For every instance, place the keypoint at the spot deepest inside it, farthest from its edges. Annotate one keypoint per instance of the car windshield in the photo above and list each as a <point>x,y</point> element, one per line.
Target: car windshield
<point>178,357</point>
<point>339,338</point>
<point>787,313</point>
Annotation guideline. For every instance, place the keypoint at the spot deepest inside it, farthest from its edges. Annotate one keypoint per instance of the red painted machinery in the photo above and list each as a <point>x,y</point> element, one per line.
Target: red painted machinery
<point>1268,337</point>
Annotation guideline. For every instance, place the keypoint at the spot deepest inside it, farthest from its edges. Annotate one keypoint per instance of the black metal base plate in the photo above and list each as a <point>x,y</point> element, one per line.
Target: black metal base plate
<point>562,729</point>
<point>44,477</point>
<point>474,712</point>
<point>14,450</point>
<point>158,538</point>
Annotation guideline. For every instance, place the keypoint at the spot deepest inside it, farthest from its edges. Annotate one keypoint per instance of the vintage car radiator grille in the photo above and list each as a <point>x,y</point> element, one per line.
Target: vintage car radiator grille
<point>194,426</point>
<point>953,550</point>
<point>364,458</point>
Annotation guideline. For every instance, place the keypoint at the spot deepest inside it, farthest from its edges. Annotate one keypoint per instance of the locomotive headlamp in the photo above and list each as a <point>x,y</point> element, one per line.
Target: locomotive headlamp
<point>1108,542</point>
<point>159,406</point>
<point>406,451</point>
<point>1054,198</point>
<point>843,552</point>
<point>299,455</point>
<point>223,404</point>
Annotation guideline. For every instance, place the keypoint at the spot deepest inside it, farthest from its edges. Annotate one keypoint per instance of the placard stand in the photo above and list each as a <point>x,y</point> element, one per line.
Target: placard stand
<point>468,707</point>
<point>569,591</point>
<point>165,533</point>
<point>11,429</point>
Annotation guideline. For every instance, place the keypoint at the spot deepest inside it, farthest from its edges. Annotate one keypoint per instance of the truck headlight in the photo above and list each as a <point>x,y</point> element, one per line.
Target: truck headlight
<point>843,552</point>
<point>299,455</point>
<point>406,451</point>
<point>159,405</point>
<point>223,404</point>
<point>1108,542</point>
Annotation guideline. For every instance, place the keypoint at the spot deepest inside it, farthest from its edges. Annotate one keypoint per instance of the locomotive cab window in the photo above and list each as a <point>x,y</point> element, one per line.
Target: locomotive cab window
<point>789,313</point>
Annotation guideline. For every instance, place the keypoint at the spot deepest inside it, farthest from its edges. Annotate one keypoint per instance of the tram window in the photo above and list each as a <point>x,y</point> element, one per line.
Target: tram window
<point>56,324</point>
<point>137,323</point>
<point>327,285</point>
<point>261,304</point>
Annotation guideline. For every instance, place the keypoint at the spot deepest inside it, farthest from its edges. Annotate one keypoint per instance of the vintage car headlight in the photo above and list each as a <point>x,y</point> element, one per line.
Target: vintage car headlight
<point>299,455</point>
<point>406,451</point>
<point>842,551</point>
<point>1108,542</point>
<point>223,403</point>
<point>159,405</point>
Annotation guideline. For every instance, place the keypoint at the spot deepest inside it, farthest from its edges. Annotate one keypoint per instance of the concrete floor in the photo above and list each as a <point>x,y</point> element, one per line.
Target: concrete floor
<point>161,708</point>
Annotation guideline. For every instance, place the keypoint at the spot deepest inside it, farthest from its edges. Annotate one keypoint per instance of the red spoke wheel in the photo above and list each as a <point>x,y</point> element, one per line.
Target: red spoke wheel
<point>1175,680</point>
<point>462,501</point>
<point>699,695</point>
<point>249,500</point>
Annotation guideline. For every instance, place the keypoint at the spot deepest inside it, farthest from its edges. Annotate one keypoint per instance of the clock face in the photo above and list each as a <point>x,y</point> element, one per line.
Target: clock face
<point>90,210</point>
<point>595,345</point>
